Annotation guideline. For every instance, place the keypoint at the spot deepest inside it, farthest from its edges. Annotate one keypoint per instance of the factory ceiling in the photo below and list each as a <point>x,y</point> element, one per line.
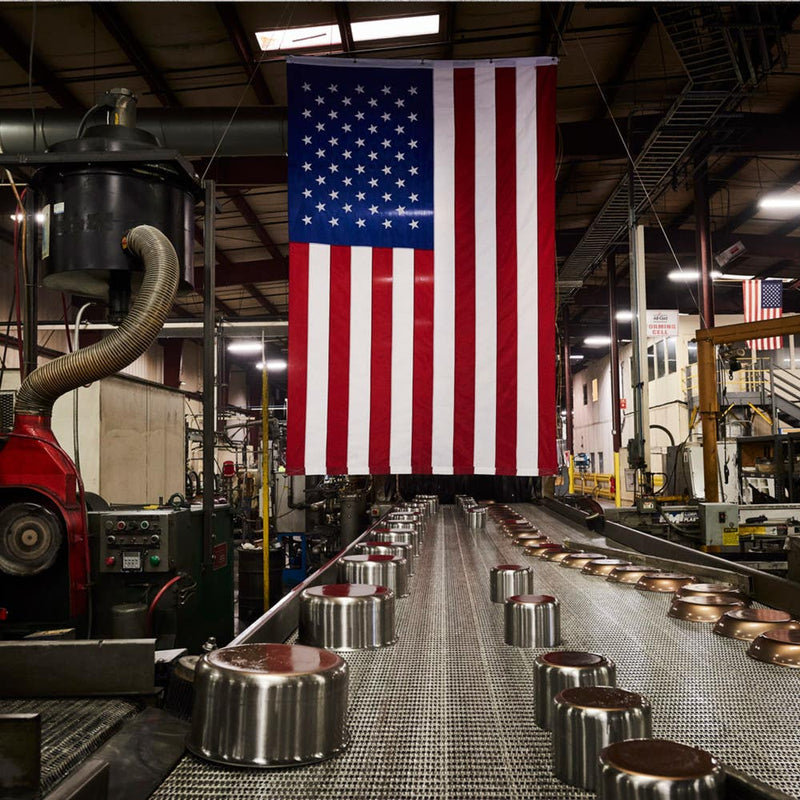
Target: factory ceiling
<point>700,92</point>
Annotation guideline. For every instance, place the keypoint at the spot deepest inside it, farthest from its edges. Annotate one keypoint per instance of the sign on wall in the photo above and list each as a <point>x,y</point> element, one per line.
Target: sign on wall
<point>662,323</point>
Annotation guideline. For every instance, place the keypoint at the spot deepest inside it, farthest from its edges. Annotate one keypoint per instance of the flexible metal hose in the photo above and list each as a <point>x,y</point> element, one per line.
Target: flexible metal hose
<point>122,346</point>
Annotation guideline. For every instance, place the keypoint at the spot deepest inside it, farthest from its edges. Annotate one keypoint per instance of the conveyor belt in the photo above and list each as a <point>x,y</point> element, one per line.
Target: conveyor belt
<point>71,729</point>
<point>447,711</point>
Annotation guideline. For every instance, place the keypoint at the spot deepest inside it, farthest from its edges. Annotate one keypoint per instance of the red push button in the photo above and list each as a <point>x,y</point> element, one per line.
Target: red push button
<point>110,561</point>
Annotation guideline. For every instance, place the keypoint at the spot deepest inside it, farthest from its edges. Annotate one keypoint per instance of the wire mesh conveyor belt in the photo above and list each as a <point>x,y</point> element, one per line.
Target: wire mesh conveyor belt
<point>72,729</point>
<point>447,712</point>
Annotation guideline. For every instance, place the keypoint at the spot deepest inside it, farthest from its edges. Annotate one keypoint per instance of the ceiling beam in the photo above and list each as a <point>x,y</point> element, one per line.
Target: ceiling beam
<point>345,31</point>
<point>19,51</point>
<point>224,308</point>
<point>238,273</point>
<point>109,15</point>
<point>241,44</point>
<point>251,218</point>
<point>245,170</point>
<point>554,25</point>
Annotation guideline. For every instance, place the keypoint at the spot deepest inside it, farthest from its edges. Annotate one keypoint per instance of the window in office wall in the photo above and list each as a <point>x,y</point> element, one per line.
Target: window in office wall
<point>672,356</point>
<point>661,358</point>
<point>595,392</point>
<point>651,363</point>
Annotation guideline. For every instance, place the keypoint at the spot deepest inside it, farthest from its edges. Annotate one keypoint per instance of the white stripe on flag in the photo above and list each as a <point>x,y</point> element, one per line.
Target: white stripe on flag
<point>527,276</point>
<point>360,360</point>
<point>444,272</point>
<point>319,280</point>
<point>485,272</point>
<point>402,358</point>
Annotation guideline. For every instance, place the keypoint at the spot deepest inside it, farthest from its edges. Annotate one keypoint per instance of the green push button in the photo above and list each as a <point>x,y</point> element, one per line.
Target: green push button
<point>155,560</point>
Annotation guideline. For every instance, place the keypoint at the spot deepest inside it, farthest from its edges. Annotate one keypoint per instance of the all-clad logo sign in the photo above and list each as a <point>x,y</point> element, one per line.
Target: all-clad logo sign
<point>662,323</point>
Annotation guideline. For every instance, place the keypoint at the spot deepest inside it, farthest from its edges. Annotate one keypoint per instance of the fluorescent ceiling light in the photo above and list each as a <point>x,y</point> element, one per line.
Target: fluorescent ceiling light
<point>329,35</point>
<point>624,316</point>
<point>298,38</point>
<point>780,202</point>
<point>273,365</point>
<point>395,27</point>
<point>243,347</point>
<point>724,276</point>
<point>684,275</point>
<point>596,341</point>
<point>576,357</point>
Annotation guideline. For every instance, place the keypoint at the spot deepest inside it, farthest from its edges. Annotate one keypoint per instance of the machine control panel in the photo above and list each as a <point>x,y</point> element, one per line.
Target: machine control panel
<point>133,540</point>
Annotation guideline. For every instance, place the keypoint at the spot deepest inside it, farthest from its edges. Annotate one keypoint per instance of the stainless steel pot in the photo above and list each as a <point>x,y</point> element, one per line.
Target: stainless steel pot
<point>377,570</point>
<point>508,579</point>
<point>347,616</point>
<point>269,705</point>
<point>379,548</point>
<point>532,620</point>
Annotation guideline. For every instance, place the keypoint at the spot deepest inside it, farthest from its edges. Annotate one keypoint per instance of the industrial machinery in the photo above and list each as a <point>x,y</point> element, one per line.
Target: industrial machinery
<point>139,554</point>
<point>114,207</point>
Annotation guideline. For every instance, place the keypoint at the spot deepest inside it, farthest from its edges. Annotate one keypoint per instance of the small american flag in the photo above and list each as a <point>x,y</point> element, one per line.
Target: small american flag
<point>422,267</point>
<point>763,300</point>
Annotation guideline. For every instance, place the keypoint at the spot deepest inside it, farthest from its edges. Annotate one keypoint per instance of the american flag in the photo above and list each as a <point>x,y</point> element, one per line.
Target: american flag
<point>422,267</point>
<point>763,300</point>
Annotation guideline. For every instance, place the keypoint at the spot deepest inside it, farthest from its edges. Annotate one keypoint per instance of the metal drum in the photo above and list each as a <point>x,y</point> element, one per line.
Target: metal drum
<point>378,570</point>
<point>476,519</point>
<point>401,549</point>
<point>269,705</point>
<point>588,718</point>
<point>532,620</point>
<point>409,536</point>
<point>658,769</point>
<point>397,525</point>
<point>508,579</point>
<point>563,669</point>
<point>432,500</point>
<point>347,616</point>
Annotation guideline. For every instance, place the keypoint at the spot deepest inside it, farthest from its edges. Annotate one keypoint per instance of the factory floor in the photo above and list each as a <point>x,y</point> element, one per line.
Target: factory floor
<point>447,711</point>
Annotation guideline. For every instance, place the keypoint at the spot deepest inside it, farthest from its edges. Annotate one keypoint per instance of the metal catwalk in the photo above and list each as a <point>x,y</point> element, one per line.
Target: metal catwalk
<point>447,711</point>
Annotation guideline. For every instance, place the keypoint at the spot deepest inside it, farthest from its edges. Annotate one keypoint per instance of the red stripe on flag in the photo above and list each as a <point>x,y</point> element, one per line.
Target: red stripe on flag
<point>422,413</point>
<point>545,170</point>
<point>464,227</point>
<point>298,358</point>
<point>380,419</point>
<point>506,206</point>
<point>338,361</point>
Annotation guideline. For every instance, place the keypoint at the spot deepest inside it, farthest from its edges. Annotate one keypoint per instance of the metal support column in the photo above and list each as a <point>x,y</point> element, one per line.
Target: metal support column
<point>209,370</point>
<point>616,414</point>
<point>709,410</point>
<point>570,431</point>
<point>265,468</point>
<point>31,314</point>
<point>639,378</point>
<point>703,245</point>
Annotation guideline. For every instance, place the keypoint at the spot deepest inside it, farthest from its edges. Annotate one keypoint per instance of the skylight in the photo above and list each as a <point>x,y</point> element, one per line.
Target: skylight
<point>370,30</point>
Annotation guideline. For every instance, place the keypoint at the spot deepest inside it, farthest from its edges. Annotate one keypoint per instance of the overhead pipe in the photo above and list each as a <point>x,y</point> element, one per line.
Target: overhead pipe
<point>194,132</point>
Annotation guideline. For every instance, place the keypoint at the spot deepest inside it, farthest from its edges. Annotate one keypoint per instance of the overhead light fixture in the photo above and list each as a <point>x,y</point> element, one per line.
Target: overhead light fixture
<point>395,27</point>
<point>724,276</point>
<point>369,30</point>
<point>244,347</point>
<point>684,275</point>
<point>597,341</point>
<point>780,202</point>
<point>576,357</point>
<point>624,316</point>
<point>273,365</point>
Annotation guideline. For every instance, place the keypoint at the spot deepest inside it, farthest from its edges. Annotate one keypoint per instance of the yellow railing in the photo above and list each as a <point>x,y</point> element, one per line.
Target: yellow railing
<point>595,484</point>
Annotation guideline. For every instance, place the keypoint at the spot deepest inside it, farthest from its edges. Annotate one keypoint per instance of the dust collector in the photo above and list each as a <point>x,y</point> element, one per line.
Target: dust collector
<point>117,213</point>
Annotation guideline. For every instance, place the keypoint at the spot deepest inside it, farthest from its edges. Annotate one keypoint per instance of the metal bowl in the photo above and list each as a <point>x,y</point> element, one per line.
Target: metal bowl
<point>663,581</point>
<point>538,549</point>
<point>629,574</point>
<point>777,647</point>
<point>658,769</point>
<point>557,555</point>
<point>579,560</point>
<point>748,623</point>
<point>347,616</point>
<point>528,538</point>
<point>269,705</point>
<point>602,567</point>
<point>727,590</point>
<point>701,609</point>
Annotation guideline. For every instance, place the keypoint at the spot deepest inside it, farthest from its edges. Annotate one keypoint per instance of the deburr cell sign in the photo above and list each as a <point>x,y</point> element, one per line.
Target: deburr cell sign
<point>662,323</point>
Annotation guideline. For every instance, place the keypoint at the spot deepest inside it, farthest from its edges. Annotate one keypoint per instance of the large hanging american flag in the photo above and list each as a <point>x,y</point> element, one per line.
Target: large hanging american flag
<point>763,300</point>
<point>422,267</point>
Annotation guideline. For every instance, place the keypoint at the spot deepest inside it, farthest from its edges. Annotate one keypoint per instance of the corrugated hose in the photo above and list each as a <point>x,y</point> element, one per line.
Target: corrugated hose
<point>121,347</point>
